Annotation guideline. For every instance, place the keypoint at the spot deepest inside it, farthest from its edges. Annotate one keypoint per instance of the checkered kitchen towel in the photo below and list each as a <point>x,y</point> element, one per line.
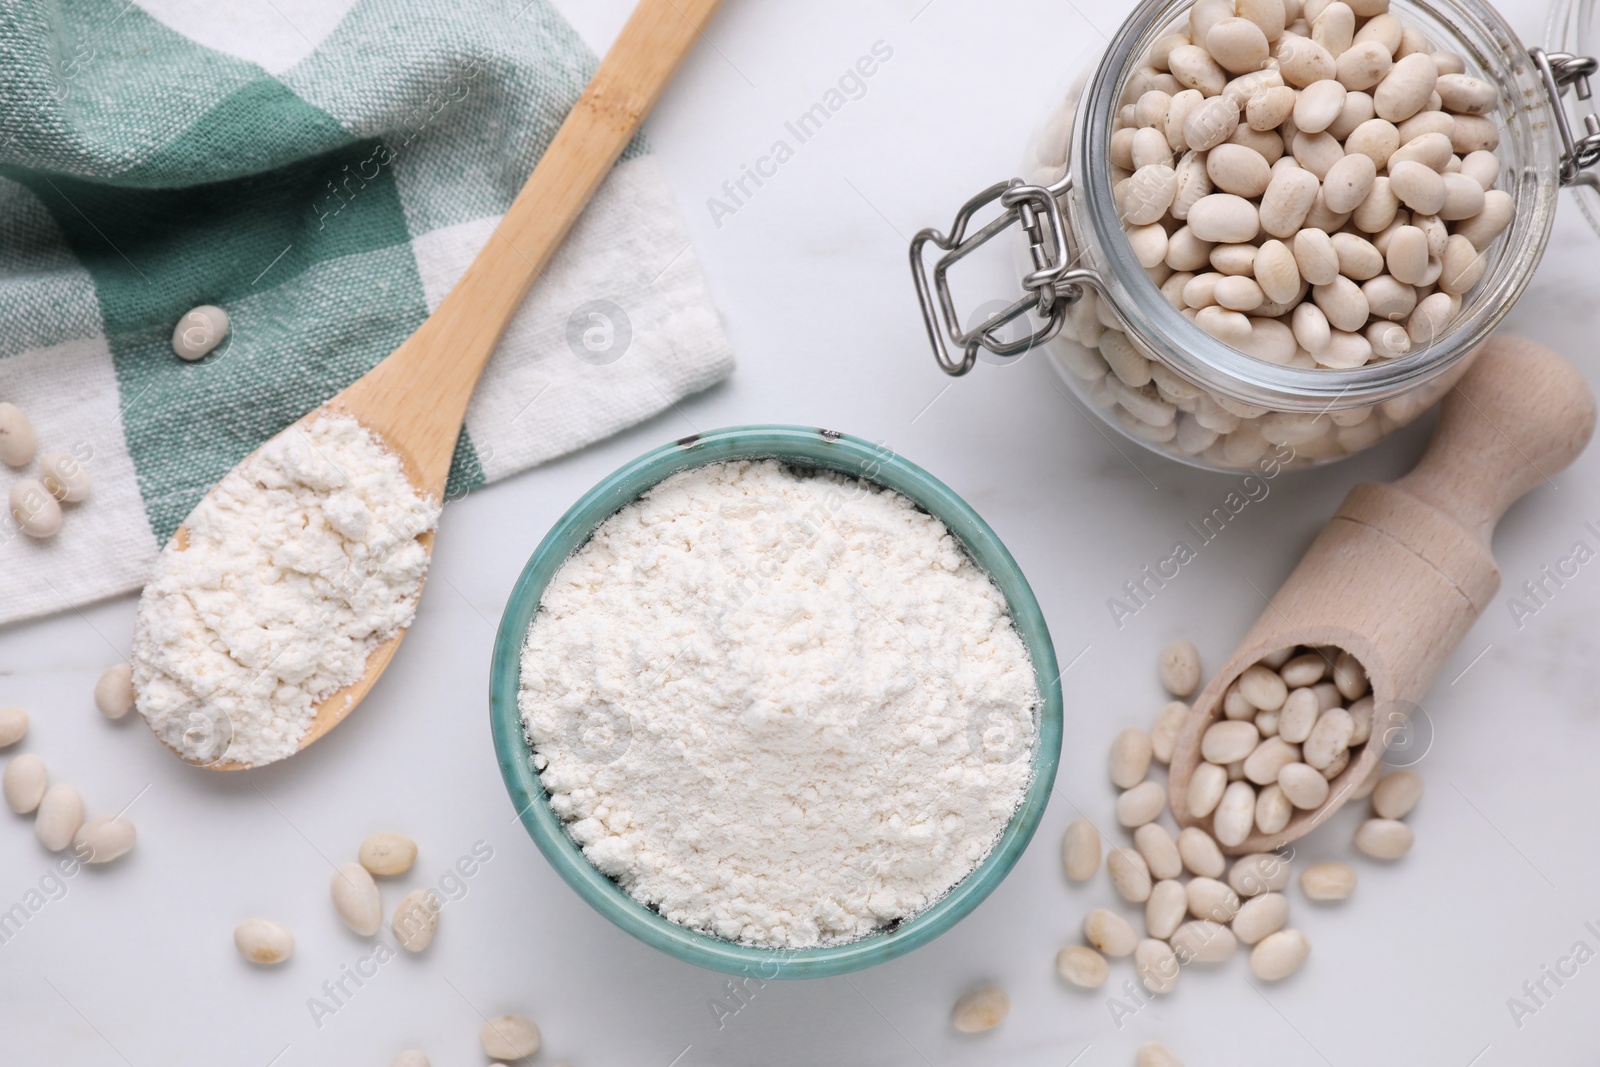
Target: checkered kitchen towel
<point>324,170</point>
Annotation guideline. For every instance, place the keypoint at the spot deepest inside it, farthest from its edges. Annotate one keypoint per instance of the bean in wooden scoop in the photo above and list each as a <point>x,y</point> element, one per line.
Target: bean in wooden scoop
<point>1403,570</point>
<point>415,400</point>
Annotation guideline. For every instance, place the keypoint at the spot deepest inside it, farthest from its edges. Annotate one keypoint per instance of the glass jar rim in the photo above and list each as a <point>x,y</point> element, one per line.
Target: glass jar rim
<point>1197,355</point>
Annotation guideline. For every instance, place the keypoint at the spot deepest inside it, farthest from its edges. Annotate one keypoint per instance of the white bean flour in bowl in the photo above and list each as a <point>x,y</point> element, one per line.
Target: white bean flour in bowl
<point>779,706</point>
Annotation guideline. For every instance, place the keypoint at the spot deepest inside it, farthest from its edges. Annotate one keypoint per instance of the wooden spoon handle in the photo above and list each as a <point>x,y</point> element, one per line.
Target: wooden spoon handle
<point>442,360</point>
<point>1520,415</point>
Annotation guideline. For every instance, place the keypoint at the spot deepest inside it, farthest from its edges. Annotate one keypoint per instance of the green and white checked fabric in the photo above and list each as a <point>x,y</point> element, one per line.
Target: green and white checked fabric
<point>324,170</point>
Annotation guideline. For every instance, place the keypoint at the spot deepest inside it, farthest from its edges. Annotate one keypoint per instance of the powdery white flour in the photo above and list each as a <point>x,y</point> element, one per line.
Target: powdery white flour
<point>781,707</point>
<point>299,563</point>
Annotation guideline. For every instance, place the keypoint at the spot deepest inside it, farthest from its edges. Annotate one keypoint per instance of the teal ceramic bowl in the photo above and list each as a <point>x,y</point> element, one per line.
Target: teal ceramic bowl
<point>801,447</point>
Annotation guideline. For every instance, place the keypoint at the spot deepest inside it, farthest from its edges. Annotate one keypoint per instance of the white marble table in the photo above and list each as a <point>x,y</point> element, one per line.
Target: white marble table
<point>133,964</point>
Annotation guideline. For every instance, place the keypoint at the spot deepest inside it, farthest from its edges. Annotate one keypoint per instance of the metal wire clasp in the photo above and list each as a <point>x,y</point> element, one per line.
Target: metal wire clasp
<point>1559,70</point>
<point>1049,289</point>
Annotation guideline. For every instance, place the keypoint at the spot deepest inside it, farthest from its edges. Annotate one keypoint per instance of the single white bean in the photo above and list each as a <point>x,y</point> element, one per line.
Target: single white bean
<point>1269,108</point>
<point>1405,90</point>
<point>1164,733</point>
<point>1349,182</point>
<point>1156,965</point>
<point>1304,785</point>
<point>1317,153</point>
<point>355,898</point>
<point>1384,839</point>
<point>1154,1053</point>
<point>1110,932</point>
<point>1167,907</point>
<point>59,815</point>
<point>263,941</point>
<point>1130,876</point>
<point>199,331</point>
<point>1180,668</point>
<point>1461,267</point>
<point>1359,258</point>
<point>1287,201</point>
<point>1211,899</point>
<point>1419,187</point>
<point>1396,794</point>
<point>1203,941</point>
<point>1257,873</point>
<point>1364,65</point>
<point>1141,804</point>
<point>1238,45</point>
<point>1235,814</point>
<point>1260,916</point>
<point>515,1037</point>
<point>17,440</point>
<point>1361,717</point>
<point>1263,687</point>
<point>1376,138</point>
<point>1130,757</point>
<point>1344,305</point>
<point>1303,61</point>
<point>1482,167</point>
<point>1080,850</point>
<point>103,839</point>
<point>1160,851</point>
<point>1224,217</point>
<point>37,512</point>
<point>1195,68</point>
<point>1329,737</point>
<point>1407,254</point>
<point>387,852</point>
<point>1334,28</point>
<point>1318,105</point>
<point>1467,95</point>
<point>113,693</point>
<point>24,783</point>
<point>1206,787</point>
<point>64,477</point>
<point>1227,741</point>
<point>416,919</point>
<point>1273,809</point>
<point>1200,852</point>
<point>13,726</point>
<point>1328,881</point>
<point>1279,955</point>
<point>1083,967</point>
<point>1483,228</point>
<point>1268,758</point>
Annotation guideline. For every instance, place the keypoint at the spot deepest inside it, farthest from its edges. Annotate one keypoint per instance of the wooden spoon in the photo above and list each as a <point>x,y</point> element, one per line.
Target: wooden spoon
<point>416,398</point>
<point>1402,571</point>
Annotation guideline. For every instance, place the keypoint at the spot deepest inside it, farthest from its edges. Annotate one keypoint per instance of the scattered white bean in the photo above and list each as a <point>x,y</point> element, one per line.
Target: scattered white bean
<point>1164,733</point>
<point>416,920</point>
<point>1260,916</point>
<point>1142,804</point>
<point>515,1037</point>
<point>64,477</point>
<point>1257,873</point>
<point>37,512</point>
<point>103,839</point>
<point>1200,853</point>
<point>1211,899</point>
<point>113,693</point>
<point>1396,794</point>
<point>1130,875</point>
<point>1278,955</point>
<point>1384,839</point>
<point>355,898</point>
<point>1328,881</point>
<point>199,331</point>
<point>1160,851</point>
<point>1167,907</point>
<point>17,440</point>
<point>1156,964</point>
<point>390,853</point>
<point>1080,850</point>
<point>263,941</point>
<point>59,815</point>
<point>24,783</point>
<point>1083,967</point>
<point>1203,941</point>
<point>1180,668</point>
<point>1154,1053</point>
<point>13,726</point>
<point>1110,933</point>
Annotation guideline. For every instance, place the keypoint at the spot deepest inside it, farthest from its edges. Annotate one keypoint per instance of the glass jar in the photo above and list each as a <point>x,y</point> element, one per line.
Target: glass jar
<point>1151,373</point>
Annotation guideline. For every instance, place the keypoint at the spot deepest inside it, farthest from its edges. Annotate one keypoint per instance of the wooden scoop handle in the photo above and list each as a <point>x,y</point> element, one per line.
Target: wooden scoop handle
<point>1521,414</point>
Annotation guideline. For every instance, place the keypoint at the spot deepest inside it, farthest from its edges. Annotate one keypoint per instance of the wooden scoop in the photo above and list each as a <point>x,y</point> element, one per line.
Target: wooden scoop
<point>1402,571</point>
<point>415,400</point>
